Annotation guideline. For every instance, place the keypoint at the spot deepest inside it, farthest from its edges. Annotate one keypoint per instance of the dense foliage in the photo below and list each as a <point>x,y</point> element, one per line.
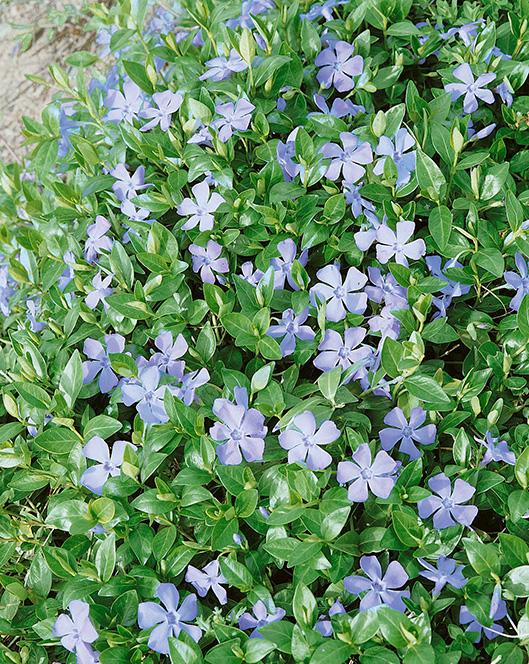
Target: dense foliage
<point>264,348</point>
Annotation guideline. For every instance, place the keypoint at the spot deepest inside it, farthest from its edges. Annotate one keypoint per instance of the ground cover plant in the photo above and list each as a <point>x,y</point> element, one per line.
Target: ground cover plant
<point>264,352</point>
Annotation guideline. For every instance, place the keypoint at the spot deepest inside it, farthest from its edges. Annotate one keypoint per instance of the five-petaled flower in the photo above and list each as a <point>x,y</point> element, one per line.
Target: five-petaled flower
<point>364,475</point>
<point>303,439</point>
<point>97,239</point>
<point>447,571</point>
<point>234,117</point>
<point>77,632</point>
<point>496,450</point>
<point>206,579</point>
<point>348,161</point>
<point>99,361</point>
<point>519,281</point>
<point>124,105</point>
<point>221,68</point>
<point>345,352</point>
<point>282,265</point>
<point>207,261</point>
<point>169,353</point>
<point>340,296</point>
<point>472,88</point>
<point>200,211</point>
<point>381,590</point>
<point>396,245</point>
<point>148,396</point>
<point>399,152</point>
<point>100,291</point>
<point>241,430</point>
<point>338,65</point>
<point>291,328</point>
<point>167,103</point>
<point>109,465</point>
<point>448,506</point>
<point>261,617</point>
<point>169,621</point>
<point>476,628</point>
<point>407,432</point>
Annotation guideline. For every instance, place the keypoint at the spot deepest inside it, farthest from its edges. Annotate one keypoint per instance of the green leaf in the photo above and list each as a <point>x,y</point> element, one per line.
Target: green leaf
<point>491,260</point>
<point>128,306</point>
<point>57,441</point>
<point>72,379</point>
<point>429,175</point>
<point>484,558</point>
<point>522,317</point>
<point>516,581</point>
<point>304,606</point>
<point>236,574</point>
<point>331,652</point>
<point>428,390</point>
<point>34,395</point>
<point>440,226</point>
<point>106,557</point>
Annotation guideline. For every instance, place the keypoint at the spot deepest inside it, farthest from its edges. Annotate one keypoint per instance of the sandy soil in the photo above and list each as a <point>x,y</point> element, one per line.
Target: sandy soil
<point>51,44</point>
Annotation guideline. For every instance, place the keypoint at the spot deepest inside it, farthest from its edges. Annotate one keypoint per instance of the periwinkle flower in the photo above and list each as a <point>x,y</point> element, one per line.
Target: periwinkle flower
<point>348,160</point>
<point>234,117</point>
<point>169,353</point>
<point>448,506</point>
<point>518,280</point>
<point>396,245</point>
<point>99,362</point>
<point>340,108</point>
<point>33,311</point>
<point>386,289</point>
<point>381,590</point>
<point>324,623</point>
<point>206,579</point>
<point>100,291</point>
<point>77,632</point>
<point>170,619</point>
<point>466,32</point>
<point>241,430</point>
<point>364,238</point>
<point>399,153</point>
<point>202,135</point>
<point>249,8</point>
<point>109,465</point>
<point>97,239</point>
<point>338,65</point>
<point>261,617</point>
<point>340,296</point>
<point>282,265</point>
<point>496,450</point>
<point>475,627</point>
<point>365,474</point>
<point>250,274</point>
<point>505,91</point>
<point>127,185</point>
<point>200,211</point>
<point>68,274</point>
<point>207,261</point>
<point>284,153</point>
<point>474,135</point>
<point>291,328</point>
<point>452,288</point>
<point>303,440</point>
<point>385,323</point>
<point>221,68</point>
<point>167,103</point>
<point>353,197</point>
<point>124,105</point>
<point>324,10</point>
<point>407,432</point>
<point>190,382</point>
<point>148,396</point>
<point>446,572</point>
<point>335,351</point>
<point>472,88</point>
